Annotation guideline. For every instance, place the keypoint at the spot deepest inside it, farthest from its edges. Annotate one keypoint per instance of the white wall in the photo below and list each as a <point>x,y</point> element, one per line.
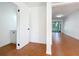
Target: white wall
<point>38,24</point>
<point>71,25</point>
<point>7,22</point>
<point>13,36</point>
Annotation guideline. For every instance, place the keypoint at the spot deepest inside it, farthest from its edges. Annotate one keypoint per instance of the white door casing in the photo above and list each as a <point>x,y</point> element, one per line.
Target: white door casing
<point>49,29</point>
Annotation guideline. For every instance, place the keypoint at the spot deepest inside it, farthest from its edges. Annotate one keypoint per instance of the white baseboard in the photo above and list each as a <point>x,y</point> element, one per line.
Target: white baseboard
<point>5,44</point>
<point>38,42</point>
<point>75,37</point>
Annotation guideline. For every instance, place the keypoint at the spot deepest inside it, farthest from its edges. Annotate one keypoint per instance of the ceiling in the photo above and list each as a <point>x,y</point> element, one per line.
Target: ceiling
<point>64,9</point>
<point>35,4</point>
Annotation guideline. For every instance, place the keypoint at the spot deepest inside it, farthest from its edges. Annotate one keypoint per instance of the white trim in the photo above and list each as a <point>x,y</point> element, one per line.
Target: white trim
<point>62,3</point>
<point>49,29</point>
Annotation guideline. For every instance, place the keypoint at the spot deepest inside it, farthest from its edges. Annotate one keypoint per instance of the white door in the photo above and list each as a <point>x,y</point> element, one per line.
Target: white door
<point>22,27</point>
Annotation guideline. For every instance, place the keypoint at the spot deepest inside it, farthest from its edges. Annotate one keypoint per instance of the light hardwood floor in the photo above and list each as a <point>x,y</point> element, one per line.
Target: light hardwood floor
<point>66,46</point>
<point>32,49</point>
<point>63,45</point>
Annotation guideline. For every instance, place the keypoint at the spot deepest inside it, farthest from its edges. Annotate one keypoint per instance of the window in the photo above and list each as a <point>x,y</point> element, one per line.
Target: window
<point>56,26</point>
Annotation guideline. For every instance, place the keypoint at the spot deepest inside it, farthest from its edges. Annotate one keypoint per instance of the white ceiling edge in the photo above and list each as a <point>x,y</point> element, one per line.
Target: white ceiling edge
<point>61,3</point>
<point>35,4</point>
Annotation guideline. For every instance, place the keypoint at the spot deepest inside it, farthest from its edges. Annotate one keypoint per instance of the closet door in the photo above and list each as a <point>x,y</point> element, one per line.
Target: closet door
<point>22,27</point>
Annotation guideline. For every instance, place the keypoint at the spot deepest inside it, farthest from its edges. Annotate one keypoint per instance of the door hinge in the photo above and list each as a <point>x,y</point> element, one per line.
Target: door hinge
<point>18,44</point>
<point>18,10</point>
<point>28,28</point>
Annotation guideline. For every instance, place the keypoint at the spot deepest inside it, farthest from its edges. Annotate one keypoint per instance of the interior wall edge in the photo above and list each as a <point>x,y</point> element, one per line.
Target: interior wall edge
<point>41,42</point>
<point>6,43</point>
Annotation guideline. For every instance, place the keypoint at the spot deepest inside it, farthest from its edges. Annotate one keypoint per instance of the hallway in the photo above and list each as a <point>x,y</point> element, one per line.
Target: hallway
<point>65,45</point>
